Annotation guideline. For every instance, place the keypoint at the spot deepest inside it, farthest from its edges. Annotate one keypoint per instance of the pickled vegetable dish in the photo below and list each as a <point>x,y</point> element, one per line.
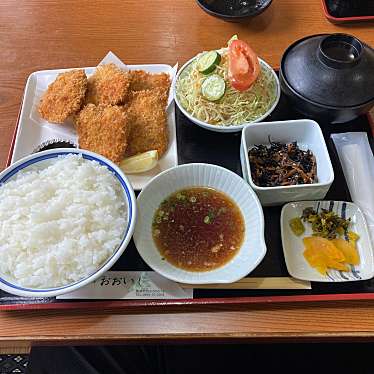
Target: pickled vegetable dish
<point>198,229</point>
<point>332,245</point>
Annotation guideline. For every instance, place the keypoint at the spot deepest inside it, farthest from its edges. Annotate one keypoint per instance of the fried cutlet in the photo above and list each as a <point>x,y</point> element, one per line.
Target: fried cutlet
<point>103,129</point>
<point>108,85</point>
<point>64,96</point>
<point>141,80</point>
<point>147,115</point>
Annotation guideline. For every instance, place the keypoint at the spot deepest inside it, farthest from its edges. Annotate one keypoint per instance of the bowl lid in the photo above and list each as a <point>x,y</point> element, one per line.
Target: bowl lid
<point>330,69</point>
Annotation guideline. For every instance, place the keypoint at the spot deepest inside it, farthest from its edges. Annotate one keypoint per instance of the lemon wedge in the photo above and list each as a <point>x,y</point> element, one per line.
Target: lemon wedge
<point>139,163</point>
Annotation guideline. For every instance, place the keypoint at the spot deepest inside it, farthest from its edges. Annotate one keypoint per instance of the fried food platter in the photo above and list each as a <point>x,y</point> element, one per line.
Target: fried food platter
<point>34,130</point>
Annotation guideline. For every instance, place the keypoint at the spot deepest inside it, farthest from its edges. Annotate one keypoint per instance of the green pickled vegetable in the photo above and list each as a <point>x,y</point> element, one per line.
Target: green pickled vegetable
<point>326,224</point>
<point>297,226</point>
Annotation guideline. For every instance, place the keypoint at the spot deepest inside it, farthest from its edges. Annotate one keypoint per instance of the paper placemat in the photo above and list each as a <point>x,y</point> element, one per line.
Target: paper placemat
<point>130,285</point>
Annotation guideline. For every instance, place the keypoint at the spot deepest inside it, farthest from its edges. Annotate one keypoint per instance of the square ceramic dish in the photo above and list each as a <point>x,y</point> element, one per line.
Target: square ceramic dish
<point>293,247</point>
<point>308,135</point>
<point>33,130</point>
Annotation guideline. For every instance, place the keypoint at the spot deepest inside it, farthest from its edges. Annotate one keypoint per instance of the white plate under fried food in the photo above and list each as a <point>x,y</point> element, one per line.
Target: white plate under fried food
<point>33,130</point>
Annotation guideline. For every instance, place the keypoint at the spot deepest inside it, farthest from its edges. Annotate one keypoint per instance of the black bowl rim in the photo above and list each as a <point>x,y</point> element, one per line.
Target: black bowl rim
<point>283,78</point>
<point>230,16</point>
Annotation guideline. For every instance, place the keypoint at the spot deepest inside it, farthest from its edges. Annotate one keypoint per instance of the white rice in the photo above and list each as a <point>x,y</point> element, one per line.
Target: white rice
<point>61,223</point>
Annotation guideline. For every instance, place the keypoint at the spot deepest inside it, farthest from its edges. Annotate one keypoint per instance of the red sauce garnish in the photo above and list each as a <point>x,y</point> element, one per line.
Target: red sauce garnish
<point>198,229</point>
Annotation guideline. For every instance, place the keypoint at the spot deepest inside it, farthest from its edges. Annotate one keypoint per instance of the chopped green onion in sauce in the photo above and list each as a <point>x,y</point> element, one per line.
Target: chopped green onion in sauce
<point>198,229</point>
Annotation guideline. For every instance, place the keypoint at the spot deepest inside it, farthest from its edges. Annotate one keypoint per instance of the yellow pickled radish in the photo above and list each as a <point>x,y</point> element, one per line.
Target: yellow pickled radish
<point>322,254</point>
<point>348,249</point>
<point>139,163</point>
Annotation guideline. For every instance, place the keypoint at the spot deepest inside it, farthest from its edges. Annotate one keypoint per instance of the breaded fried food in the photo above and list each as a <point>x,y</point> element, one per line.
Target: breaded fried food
<point>103,129</point>
<point>147,114</point>
<point>141,80</point>
<point>64,96</point>
<point>108,85</point>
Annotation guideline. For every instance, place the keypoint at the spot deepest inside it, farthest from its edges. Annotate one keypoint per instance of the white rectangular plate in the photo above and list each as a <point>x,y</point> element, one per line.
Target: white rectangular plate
<point>33,130</point>
<point>293,247</point>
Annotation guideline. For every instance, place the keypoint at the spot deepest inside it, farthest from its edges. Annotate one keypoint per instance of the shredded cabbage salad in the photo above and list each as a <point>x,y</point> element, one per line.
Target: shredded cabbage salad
<point>234,108</point>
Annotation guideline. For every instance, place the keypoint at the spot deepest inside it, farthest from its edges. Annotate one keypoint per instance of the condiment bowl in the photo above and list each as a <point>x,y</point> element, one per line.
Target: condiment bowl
<point>41,160</point>
<point>237,11</point>
<point>308,135</point>
<point>221,128</point>
<point>253,248</point>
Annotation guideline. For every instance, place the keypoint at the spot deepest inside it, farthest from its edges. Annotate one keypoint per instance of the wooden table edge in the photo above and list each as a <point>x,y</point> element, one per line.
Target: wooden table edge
<point>24,344</point>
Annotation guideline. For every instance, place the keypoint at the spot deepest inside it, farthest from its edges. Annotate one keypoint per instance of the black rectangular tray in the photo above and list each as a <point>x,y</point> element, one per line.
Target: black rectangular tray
<point>196,144</point>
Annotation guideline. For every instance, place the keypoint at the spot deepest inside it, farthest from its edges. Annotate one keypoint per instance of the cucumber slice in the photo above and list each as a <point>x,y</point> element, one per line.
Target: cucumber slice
<point>208,62</point>
<point>234,37</point>
<point>213,87</point>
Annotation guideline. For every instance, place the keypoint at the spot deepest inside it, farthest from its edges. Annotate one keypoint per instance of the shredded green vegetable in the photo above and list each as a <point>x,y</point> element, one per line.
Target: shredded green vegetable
<point>234,108</point>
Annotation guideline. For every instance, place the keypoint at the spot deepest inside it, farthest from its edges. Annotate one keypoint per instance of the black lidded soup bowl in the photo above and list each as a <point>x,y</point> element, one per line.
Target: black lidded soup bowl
<point>234,10</point>
<point>329,77</point>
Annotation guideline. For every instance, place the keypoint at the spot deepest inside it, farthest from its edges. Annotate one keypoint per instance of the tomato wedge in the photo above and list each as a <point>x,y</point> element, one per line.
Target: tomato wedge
<point>244,66</point>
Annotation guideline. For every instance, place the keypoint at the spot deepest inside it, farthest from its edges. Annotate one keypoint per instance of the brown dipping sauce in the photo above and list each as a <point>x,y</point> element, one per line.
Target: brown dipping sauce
<point>198,229</point>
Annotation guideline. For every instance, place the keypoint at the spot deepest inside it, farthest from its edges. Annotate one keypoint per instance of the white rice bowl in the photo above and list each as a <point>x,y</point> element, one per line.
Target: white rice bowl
<point>61,223</point>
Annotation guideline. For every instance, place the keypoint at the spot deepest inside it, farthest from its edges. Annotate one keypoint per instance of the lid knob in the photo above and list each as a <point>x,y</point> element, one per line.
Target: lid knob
<point>340,51</point>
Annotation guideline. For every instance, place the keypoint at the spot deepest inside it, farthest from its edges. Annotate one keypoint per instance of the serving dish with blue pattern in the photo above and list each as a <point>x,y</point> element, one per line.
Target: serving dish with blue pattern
<point>293,246</point>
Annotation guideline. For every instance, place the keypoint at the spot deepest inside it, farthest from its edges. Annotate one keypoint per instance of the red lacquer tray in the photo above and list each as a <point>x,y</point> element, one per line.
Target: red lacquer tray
<point>198,145</point>
<point>349,14</point>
